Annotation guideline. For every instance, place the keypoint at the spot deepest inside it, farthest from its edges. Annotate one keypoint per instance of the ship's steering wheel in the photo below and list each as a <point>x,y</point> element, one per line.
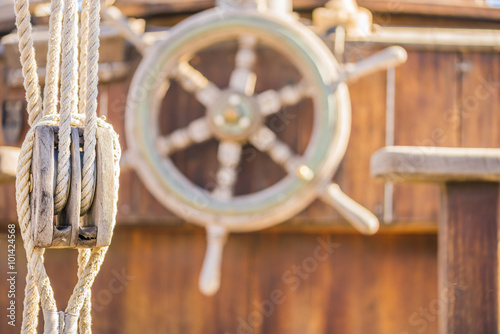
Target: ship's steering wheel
<point>235,115</point>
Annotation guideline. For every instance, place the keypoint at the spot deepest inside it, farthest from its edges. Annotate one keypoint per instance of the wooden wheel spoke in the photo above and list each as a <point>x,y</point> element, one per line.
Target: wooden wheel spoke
<point>228,155</point>
<point>195,82</point>
<point>243,78</point>
<point>265,140</point>
<point>196,132</point>
<point>271,101</point>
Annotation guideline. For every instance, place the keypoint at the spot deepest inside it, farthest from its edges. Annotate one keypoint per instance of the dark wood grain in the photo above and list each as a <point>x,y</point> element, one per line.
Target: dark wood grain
<point>445,8</point>
<point>468,258</point>
<point>477,10</point>
<point>430,99</point>
<point>426,95</point>
<point>479,104</point>
<point>436,102</point>
<point>367,95</point>
<point>148,283</point>
<point>383,284</point>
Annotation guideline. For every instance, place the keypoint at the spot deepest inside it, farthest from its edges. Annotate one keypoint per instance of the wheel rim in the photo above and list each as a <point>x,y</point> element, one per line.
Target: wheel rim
<point>288,196</point>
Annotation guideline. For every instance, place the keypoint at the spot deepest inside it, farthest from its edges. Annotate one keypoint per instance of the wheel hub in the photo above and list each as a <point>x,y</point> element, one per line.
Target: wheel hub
<point>234,116</point>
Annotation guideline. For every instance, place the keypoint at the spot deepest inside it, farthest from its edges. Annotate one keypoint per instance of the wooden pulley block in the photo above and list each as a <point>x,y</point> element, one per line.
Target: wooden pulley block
<point>71,228</point>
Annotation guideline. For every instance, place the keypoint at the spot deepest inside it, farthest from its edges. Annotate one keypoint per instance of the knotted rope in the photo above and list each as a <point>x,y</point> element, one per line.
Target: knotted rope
<point>77,97</point>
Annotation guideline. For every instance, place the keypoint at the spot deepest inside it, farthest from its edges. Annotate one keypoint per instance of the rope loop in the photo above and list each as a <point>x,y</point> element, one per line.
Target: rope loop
<point>38,286</point>
<point>77,107</point>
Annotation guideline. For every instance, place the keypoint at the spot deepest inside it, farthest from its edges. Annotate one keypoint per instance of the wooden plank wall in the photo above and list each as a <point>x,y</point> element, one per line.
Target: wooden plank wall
<point>476,9</point>
<point>381,284</point>
<point>148,284</point>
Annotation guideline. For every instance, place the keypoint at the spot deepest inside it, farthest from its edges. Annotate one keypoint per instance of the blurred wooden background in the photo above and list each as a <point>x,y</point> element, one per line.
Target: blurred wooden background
<point>381,284</point>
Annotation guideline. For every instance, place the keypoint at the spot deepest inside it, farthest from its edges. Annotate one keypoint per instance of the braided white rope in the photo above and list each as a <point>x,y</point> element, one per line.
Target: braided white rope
<point>85,323</point>
<point>84,254</point>
<point>50,97</point>
<point>33,97</point>
<point>84,38</point>
<point>69,99</point>
<point>88,176</point>
<point>38,283</point>
<point>28,62</point>
<point>38,288</point>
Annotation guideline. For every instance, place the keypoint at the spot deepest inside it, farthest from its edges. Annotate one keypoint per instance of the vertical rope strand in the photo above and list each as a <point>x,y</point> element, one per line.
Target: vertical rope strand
<point>31,306</point>
<point>37,283</point>
<point>31,295</point>
<point>69,98</point>
<point>51,90</point>
<point>88,176</point>
<point>84,40</point>
<point>85,322</point>
<point>85,281</point>
<point>88,49</point>
<point>28,62</point>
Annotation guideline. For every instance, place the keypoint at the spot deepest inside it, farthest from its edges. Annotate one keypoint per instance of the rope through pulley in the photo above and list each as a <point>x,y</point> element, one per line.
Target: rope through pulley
<point>53,177</point>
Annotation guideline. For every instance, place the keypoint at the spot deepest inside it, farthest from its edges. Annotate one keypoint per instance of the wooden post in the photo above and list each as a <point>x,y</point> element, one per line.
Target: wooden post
<point>468,228</point>
<point>468,257</point>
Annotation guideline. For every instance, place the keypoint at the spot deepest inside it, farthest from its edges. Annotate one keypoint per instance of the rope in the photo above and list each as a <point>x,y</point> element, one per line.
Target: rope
<point>33,97</point>
<point>77,95</point>
<point>83,255</point>
<point>38,284</point>
<point>53,58</point>
<point>91,105</point>
<point>69,96</point>
<point>85,317</point>
<point>28,62</point>
<point>84,38</point>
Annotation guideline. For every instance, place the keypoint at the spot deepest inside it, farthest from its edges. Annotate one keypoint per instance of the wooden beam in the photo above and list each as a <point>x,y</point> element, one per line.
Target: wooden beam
<point>468,228</point>
<point>468,258</point>
<point>473,10</point>
<point>430,38</point>
<point>436,164</point>
<point>477,10</point>
<point>140,8</point>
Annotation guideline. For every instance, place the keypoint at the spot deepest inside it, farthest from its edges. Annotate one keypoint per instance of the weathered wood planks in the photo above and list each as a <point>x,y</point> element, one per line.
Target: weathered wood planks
<point>149,283</point>
<point>468,258</point>
<point>468,228</point>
